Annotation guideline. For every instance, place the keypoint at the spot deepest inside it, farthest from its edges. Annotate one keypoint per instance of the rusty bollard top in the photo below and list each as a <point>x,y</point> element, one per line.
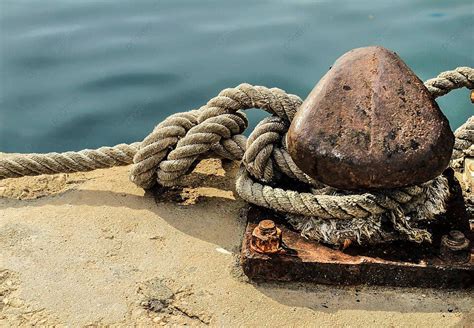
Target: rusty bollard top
<point>370,123</point>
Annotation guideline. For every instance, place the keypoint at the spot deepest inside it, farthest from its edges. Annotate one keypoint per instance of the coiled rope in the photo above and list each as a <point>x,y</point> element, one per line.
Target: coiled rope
<point>215,130</point>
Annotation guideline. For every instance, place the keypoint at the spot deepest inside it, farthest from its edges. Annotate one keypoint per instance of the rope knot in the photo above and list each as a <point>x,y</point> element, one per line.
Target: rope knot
<point>215,130</point>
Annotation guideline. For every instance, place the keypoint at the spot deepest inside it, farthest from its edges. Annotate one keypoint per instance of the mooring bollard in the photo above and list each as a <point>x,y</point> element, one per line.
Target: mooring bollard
<point>375,137</point>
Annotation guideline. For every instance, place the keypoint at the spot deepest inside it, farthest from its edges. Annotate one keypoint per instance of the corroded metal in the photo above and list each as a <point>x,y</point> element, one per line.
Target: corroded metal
<point>266,237</point>
<point>455,247</point>
<point>370,123</point>
<point>400,263</point>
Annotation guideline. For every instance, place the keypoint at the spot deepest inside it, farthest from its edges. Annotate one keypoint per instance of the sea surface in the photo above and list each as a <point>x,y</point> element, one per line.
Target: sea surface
<point>82,74</point>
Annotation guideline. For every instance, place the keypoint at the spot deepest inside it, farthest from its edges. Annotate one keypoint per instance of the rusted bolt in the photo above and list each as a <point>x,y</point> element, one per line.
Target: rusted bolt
<point>266,237</point>
<point>455,247</point>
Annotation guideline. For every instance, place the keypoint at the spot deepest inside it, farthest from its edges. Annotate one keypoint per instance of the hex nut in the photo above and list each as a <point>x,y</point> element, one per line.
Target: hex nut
<point>455,247</point>
<point>266,238</point>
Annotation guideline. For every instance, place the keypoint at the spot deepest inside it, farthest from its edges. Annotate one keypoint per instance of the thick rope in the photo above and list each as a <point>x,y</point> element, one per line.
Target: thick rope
<point>173,148</point>
<point>461,77</point>
<point>464,143</point>
<point>82,161</point>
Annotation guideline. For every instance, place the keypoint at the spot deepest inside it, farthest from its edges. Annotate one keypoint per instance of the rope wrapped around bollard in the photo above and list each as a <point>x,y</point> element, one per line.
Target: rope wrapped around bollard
<point>215,130</point>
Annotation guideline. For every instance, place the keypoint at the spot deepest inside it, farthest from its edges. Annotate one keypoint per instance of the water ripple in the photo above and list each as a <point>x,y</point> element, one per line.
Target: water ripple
<point>134,79</point>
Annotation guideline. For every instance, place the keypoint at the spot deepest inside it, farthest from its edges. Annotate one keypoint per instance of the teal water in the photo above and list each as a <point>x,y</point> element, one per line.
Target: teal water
<point>82,74</point>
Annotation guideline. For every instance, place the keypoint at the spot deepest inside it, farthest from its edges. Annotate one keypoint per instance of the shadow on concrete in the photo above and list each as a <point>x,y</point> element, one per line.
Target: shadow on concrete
<point>211,198</point>
<point>369,298</point>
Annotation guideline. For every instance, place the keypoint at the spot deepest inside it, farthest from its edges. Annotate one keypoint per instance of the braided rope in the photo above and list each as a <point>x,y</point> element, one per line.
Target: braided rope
<point>326,206</point>
<point>216,122</point>
<point>215,130</point>
<point>461,77</point>
<point>68,162</point>
<point>463,144</point>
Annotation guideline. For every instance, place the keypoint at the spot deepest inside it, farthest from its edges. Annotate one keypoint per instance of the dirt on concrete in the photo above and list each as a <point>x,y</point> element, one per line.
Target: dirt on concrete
<point>92,249</point>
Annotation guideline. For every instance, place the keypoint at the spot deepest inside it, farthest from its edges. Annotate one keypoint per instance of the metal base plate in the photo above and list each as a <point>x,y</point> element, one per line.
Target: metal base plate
<point>402,264</point>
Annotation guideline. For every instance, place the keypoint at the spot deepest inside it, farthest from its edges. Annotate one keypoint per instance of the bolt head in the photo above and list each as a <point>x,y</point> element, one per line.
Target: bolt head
<point>454,247</point>
<point>456,235</point>
<point>266,226</point>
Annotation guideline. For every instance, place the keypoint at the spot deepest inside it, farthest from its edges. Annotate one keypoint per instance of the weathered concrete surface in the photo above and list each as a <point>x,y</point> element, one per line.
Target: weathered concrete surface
<point>100,251</point>
<point>370,123</point>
